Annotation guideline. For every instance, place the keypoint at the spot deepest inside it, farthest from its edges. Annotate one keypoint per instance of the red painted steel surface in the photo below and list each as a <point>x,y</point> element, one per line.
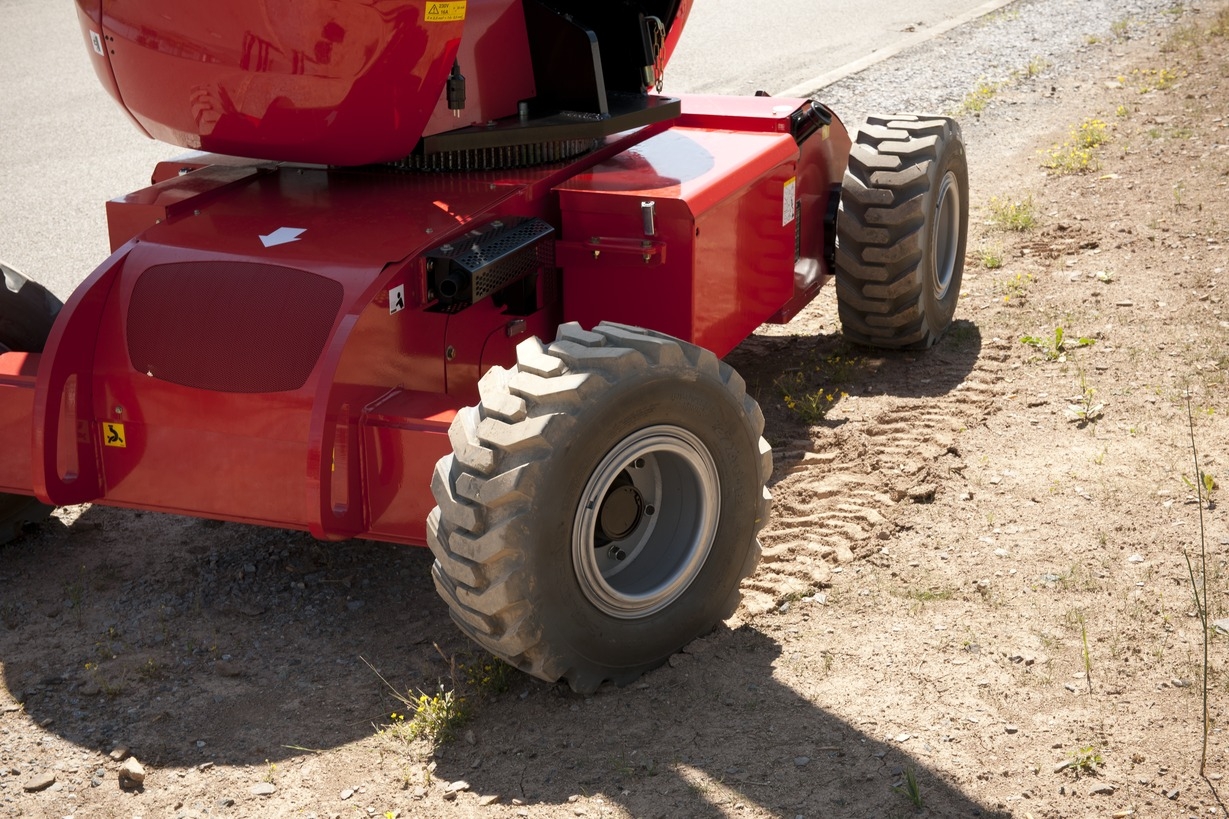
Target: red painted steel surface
<point>17,372</point>
<point>725,185</point>
<point>350,451</point>
<point>343,82</point>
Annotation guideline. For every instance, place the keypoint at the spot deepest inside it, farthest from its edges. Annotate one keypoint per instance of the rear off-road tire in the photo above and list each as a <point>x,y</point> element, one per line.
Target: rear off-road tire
<point>27,311</point>
<point>601,504</point>
<point>901,231</point>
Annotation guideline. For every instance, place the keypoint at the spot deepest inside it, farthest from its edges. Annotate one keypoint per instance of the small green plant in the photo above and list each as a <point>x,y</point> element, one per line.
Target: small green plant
<point>1120,28</point>
<point>811,405</point>
<point>1085,409</point>
<point>1035,66</point>
<point>489,675</point>
<point>270,771</point>
<point>976,100</point>
<point>1085,760</point>
<point>910,788</point>
<point>1056,348</point>
<point>1152,79</point>
<point>812,393</point>
<point>433,717</point>
<point>991,258</point>
<point>1016,288</point>
<point>1199,586</point>
<point>1013,215</point>
<point>1206,483</point>
<point>1078,154</point>
<point>1220,25</point>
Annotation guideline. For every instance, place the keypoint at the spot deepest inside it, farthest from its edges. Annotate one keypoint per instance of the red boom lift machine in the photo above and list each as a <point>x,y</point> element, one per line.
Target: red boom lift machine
<point>312,336</point>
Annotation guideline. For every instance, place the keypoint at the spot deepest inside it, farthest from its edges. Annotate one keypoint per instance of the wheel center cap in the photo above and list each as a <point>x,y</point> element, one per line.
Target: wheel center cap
<point>620,512</point>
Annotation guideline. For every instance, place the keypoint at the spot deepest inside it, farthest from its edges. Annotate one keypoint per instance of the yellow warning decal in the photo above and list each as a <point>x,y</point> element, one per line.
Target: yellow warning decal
<point>113,434</point>
<point>445,12</point>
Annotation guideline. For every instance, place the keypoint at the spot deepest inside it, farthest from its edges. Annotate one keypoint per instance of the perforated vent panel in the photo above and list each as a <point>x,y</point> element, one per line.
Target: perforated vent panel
<point>230,326</point>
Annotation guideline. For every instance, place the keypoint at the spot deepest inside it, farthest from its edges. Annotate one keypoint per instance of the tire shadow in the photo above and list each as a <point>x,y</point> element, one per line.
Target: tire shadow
<point>804,383</point>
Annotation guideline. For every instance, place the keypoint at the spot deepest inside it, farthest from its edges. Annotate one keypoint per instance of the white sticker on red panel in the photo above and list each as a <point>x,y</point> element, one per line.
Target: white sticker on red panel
<point>396,299</point>
<point>789,205</point>
<point>96,41</point>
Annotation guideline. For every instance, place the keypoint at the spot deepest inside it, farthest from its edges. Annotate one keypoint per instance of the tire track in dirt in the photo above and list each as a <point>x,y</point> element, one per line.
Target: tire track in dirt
<point>834,492</point>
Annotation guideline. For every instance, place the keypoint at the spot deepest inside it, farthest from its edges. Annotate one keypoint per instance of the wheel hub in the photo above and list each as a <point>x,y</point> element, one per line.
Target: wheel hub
<point>646,522</point>
<point>945,237</point>
<point>621,509</point>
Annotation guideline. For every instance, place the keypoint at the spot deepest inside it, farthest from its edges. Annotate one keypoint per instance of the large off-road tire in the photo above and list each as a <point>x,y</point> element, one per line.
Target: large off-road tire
<point>27,311</point>
<point>601,504</point>
<point>901,231</point>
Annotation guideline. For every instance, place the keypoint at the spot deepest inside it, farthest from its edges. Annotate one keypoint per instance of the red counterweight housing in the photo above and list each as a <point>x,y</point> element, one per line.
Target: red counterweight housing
<point>352,82</point>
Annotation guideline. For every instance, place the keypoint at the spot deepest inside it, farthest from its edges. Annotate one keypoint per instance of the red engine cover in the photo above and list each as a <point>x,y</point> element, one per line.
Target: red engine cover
<point>342,82</point>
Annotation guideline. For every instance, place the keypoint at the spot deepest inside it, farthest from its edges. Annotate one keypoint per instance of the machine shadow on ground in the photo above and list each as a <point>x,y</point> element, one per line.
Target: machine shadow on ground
<point>192,642</point>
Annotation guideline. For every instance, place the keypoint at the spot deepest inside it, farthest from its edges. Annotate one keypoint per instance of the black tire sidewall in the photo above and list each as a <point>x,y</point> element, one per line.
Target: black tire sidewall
<point>571,624</point>
<point>26,316</point>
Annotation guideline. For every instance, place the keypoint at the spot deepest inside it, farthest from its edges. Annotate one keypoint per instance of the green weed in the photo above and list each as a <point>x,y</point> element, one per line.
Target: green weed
<point>910,788</point>
<point>1085,760</point>
<point>1085,409</point>
<point>1078,154</point>
<point>1013,215</point>
<point>991,258</point>
<point>1016,288</point>
<point>813,392</point>
<point>1057,347</point>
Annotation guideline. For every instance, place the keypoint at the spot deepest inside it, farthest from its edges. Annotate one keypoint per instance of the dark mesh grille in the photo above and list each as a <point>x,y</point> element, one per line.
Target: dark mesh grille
<point>230,326</point>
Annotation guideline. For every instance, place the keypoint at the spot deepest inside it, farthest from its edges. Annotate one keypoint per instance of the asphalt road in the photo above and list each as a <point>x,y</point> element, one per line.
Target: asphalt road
<point>67,148</point>
<point>735,47</point>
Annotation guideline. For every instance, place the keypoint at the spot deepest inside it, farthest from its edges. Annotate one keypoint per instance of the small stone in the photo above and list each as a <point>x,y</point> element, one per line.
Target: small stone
<point>1070,687</point>
<point>1011,729</point>
<point>802,761</point>
<point>470,739</point>
<point>1135,559</point>
<point>263,789</point>
<point>1178,682</point>
<point>457,787</point>
<point>1221,625</point>
<point>131,773</point>
<point>902,737</point>
<point>225,802</point>
<point>843,553</point>
<point>39,782</point>
<point>488,800</point>
<point>1173,794</point>
<point>1102,790</point>
<point>923,493</point>
<point>347,793</point>
<point>119,754</point>
<point>450,796</point>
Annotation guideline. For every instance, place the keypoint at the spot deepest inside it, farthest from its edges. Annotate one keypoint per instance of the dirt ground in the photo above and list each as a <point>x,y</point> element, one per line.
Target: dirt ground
<point>974,601</point>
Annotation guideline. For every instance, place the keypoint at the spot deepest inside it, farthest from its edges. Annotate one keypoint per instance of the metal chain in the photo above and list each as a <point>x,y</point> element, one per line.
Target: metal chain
<point>658,36</point>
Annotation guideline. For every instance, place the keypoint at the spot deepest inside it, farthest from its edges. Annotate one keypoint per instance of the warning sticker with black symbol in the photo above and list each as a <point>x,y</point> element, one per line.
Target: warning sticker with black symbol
<point>113,434</point>
<point>445,12</point>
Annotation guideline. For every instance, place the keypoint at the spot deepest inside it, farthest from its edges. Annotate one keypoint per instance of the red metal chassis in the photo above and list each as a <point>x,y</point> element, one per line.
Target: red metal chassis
<point>324,407</point>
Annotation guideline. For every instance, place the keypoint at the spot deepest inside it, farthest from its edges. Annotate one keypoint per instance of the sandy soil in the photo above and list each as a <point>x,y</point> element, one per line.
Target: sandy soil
<point>972,602</point>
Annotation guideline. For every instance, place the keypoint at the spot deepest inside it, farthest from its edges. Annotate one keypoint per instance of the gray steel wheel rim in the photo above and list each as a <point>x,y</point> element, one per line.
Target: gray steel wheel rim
<point>672,472</point>
<point>945,236</point>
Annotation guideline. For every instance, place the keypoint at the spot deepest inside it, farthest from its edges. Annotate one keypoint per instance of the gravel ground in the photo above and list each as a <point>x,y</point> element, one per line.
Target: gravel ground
<point>936,76</point>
